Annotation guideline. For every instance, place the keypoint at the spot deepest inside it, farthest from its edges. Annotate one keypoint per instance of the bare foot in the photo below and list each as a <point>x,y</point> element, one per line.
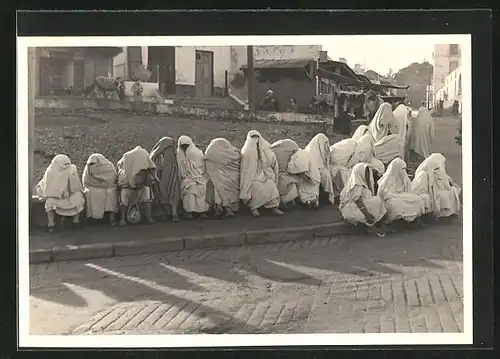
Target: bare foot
<point>188,216</point>
<point>176,219</point>
<point>122,223</point>
<point>203,216</point>
<point>255,213</point>
<point>51,230</point>
<point>277,211</point>
<point>150,220</point>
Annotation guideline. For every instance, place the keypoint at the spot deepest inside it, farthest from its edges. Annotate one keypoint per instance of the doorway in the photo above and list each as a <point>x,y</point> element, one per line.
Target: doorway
<point>161,60</point>
<point>204,73</point>
<point>78,76</point>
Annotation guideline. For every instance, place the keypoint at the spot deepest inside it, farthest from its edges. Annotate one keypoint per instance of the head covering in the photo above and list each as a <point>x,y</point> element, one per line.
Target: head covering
<point>401,114</point>
<point>99,172</point>
<point>60,179</point>
<point>357,178</point>
<point>395,178</point>
<point>360,131</point>
<point>221,151</point>
<point>301,162</point>
<point>270,92</point>
<point>343,153</point>
<point>319,148</point>
<point>365,148</point>
<point>131,163</point>
<point>164,156</point>
<point>191,161</point>
<point>382,122</point>
<point>284,149</point>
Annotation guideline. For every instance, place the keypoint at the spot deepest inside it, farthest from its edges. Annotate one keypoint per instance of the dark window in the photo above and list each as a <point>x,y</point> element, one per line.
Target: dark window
<point>453,49</point>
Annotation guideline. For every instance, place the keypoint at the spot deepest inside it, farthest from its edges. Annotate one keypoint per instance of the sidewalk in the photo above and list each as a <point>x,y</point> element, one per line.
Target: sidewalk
<point>100,241</point>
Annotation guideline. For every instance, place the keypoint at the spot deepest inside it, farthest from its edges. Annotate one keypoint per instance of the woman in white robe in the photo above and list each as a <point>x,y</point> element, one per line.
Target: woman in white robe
<point>395,189</point>
<point>258,176</point>
<point>420,137</point>
<point>402,115</point>
<point>359,202</point>
<point>62,191</point>
<point>360,131</point>
<point>194,178</point>
<point>439,193</point>
<point>365,153</point>
<point>319,149</point>
<point>384,129</point>
<point>99,180</point>
<point>222,161</point>
<point>136,171</point>
<point>342,159</point>
<point>302,166</point>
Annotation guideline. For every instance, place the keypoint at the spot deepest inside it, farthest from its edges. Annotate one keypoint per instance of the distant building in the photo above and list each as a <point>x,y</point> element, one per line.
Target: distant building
<point>343,59</point>
<point>446,58</point>
<point>74,68</point>
<point>452,88</point>
<point>358,69</point>
<point>160,60</point>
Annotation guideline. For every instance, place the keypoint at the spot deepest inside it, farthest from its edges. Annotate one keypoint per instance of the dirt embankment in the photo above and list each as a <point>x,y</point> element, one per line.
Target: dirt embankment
<point>78,136</point>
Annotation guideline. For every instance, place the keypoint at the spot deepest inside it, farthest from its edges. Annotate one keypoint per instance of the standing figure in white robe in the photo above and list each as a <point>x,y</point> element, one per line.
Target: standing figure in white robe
<point>385,130</point>
<point>136,171</point>
<point>259,174</point>
<point>395,189</point>
<point>359,202</point>
<point>222,161</point>
<point>194,178</point>
<point>62,191</point>
<point>420,137</point>
<point>319,149</point>
<point>99,180</point>
<point>439,193</point>
<point>402,114</point>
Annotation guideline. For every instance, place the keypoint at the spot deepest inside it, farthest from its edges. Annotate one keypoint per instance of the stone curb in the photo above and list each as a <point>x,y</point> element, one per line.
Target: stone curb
<point>107,250</point>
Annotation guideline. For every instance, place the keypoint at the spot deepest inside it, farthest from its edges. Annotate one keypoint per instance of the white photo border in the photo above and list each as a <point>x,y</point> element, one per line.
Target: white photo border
<point>228,340</point>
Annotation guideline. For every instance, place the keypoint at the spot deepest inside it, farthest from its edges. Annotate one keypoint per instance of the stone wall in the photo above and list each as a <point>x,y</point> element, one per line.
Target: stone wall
<point>80,104</point>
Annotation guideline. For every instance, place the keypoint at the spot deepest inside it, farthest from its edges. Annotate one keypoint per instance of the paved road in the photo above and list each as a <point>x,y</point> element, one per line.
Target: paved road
<point>406,282</point>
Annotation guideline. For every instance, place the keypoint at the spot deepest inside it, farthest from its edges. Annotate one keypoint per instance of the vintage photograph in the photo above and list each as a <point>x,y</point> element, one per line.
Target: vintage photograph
<point>247,188</point>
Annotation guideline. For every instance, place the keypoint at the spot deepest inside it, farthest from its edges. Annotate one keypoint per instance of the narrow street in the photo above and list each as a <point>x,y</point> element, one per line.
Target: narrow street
<point>406,282</point>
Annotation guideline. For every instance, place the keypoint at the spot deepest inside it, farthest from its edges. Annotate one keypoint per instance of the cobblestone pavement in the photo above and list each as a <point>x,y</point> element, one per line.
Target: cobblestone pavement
<point>406,282</point>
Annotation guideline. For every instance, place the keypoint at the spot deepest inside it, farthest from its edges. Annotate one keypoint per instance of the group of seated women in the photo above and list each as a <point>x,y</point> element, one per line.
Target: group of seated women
<point>184,180</point>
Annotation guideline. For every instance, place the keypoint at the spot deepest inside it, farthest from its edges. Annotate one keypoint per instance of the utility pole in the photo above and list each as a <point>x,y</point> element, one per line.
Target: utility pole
<point>32,73</point>
<point>251,80</point>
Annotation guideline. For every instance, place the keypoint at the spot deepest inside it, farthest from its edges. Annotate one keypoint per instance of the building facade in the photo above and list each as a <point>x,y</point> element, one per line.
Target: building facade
<point>446,58</point>
<point>452,88</point>
<point>71,69</point>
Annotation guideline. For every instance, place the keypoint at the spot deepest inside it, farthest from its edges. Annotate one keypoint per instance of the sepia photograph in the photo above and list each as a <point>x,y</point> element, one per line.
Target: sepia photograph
<point>227,185</point>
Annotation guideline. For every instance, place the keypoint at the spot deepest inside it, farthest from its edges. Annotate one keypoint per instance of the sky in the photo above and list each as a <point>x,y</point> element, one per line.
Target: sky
<point>381,53</point>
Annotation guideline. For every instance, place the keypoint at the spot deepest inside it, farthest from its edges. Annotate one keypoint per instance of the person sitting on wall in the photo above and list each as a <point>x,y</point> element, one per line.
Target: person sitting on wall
<point>293,105</point>
<point>137,88</point>
<point>270,103</point>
